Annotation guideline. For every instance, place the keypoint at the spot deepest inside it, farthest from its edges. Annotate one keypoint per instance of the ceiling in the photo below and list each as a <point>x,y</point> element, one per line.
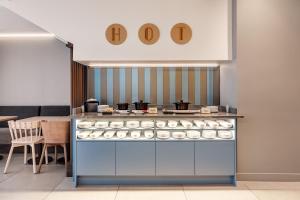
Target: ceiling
<point>13,23</point>
<point>83,23</point>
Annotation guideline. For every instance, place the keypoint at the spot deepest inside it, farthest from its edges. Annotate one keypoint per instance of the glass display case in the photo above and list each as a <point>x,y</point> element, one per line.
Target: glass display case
<point>155,129</point>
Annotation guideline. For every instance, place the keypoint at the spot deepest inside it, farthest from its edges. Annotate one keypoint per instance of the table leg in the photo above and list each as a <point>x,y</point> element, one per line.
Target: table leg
<point>1,157</point>
<point>39,150</point>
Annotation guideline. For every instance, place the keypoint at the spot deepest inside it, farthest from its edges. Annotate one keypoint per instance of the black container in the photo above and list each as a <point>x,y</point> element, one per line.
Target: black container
<point>182,105</point>
<point>141,105</point>
<point>122,106</point>
<point>91,105</point>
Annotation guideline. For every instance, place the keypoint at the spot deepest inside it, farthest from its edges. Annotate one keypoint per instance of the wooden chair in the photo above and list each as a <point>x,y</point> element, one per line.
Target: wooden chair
<point>55,133</point>
<point>24,134</point>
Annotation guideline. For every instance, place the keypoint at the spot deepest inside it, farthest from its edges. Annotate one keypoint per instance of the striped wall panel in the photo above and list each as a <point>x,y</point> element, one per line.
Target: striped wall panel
<point>199,86</point>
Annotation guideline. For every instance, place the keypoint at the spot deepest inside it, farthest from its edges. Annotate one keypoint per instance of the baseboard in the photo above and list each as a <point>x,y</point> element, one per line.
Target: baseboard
<point>268,177</point>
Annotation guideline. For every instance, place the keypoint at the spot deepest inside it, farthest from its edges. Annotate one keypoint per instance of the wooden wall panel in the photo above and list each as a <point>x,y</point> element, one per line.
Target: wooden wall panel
<point>78,84</point>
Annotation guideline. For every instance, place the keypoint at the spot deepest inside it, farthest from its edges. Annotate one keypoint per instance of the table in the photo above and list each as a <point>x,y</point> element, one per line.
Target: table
<point>47,118</point>
<point>6,118</point>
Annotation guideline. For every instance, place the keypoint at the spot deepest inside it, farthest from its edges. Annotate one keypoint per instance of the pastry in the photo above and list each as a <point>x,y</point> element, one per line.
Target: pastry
<point>178,135</point>
<point>116,124</point>
<point>163,134</point>
<point>160,124</point>
<point>193,134</point>
<point>224,124</point>
<point>122,134</point>
<point>132,124</point>
<point>172,123</point>
<point>135,134</point>
<point>103,124</point>
<point>225,134</point>
<point>209,134</point>
<point>109,134</point>
<point>186,124</point>
<point>199,123</point>
<point>149,134</point>
<point>147,124</point>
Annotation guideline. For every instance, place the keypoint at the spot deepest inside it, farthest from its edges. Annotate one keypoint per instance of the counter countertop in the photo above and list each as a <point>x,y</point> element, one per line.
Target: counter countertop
<point>158,115</point>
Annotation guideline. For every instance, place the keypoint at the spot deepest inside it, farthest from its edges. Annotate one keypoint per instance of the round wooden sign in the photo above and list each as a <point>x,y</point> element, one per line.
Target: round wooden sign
<point>149,33</point>
<point>116,34</point>
<point>181,33</point>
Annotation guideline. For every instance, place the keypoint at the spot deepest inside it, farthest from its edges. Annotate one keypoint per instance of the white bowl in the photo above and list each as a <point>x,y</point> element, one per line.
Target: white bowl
<point>116,124</point>
<point>96,134</point>
<point>103,124</point>
<point>135,134</point>
<point>186,124</point>
<point>109,134</point>
<point>172,123</point>
<point>147,124</point>
<point>160,124</point>
<point>199,123</point>
<point>84,124</point>
<point>122,134</point>
<point>149,134</point>
<point>132,124</point>
<point>193,134</point>
<point>178,134</point>
<point>83,134</point>
<point>209,134</point>
<point>163,134</point>
<point>224,124</point>
<point>225,134</point>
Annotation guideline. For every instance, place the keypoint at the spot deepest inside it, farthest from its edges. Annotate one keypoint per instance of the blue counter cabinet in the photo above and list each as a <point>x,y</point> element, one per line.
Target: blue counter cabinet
<point>174,158</point>
<point>96,158</point>
<point>215,158</point>
<point>135,158</point>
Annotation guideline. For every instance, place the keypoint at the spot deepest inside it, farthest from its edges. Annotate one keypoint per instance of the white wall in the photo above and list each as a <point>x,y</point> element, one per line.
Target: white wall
<point>268,69</point>
<point>34,72</point>
<point>84,23</point>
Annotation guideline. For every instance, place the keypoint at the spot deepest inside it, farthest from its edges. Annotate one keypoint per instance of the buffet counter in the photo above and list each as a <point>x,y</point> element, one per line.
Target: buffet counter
<point>154,148</point>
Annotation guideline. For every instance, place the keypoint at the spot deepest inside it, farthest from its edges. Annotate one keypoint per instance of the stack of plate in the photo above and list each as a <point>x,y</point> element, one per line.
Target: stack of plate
<point>211,124</point>
<point>225,124</point>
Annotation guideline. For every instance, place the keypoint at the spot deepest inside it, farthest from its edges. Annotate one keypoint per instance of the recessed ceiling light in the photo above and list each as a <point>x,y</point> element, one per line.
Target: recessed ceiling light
<point>25,35</point>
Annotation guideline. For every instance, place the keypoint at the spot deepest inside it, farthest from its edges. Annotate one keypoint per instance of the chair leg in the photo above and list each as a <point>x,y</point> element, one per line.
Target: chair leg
<point>25,154</point>
<point>65,155</point>
<point>42,157</point>
<point>46,155</point>
<point>33,158</point>
<point>55,154</point>
<point>9,158</point>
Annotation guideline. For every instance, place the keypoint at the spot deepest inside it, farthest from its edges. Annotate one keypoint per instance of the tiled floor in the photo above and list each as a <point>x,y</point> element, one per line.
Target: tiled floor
<point>20,183</point>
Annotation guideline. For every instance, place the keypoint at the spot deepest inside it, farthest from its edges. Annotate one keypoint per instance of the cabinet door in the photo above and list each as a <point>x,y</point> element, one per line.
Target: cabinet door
<point>215,158</point>
<point>175,158</point>
<point>135,158</point>
<point>96,158</point>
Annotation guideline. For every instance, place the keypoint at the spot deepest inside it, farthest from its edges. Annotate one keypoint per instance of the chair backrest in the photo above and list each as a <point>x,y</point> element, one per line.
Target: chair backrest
<point>28,131</point>
<point>56,132</point>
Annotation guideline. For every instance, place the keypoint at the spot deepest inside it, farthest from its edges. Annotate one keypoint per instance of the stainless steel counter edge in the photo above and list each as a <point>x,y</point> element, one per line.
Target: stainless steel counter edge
<point>158,115</point>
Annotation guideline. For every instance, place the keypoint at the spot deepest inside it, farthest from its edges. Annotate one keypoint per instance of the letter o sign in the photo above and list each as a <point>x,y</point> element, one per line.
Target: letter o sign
<point>181,33</point>
<point>149,33</point>
<point>116,34</point>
